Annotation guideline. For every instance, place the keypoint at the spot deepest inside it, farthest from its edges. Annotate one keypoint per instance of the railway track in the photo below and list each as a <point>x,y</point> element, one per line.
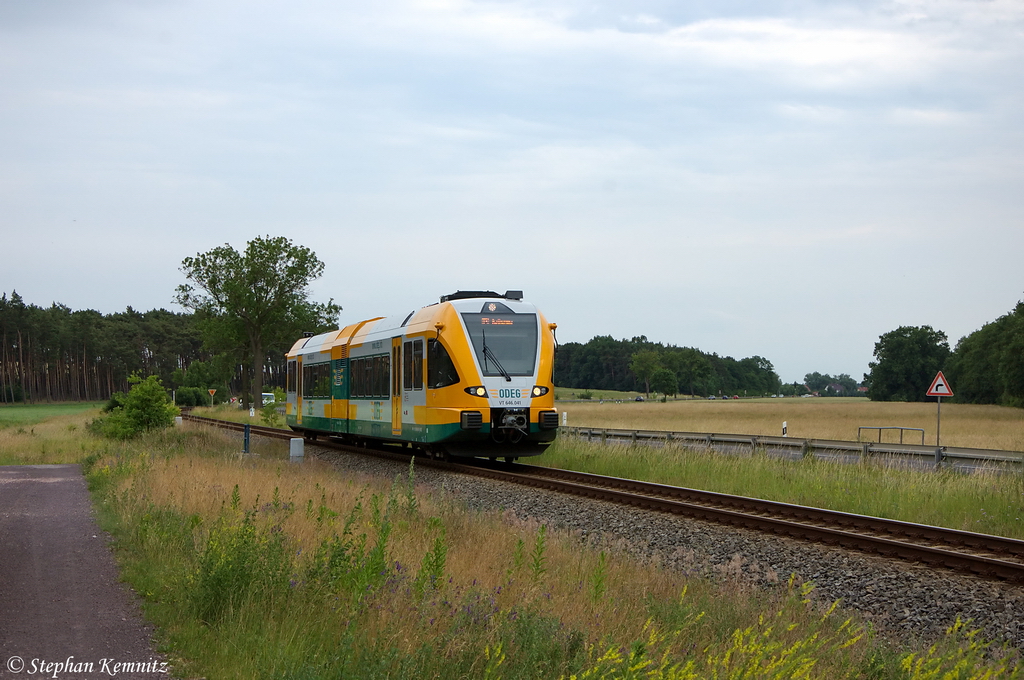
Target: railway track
<point>987,556</point>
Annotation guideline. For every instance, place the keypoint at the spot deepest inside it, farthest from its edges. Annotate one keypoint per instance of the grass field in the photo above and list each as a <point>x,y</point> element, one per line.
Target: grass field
<point>29,414</point>
<point>47,433</point>
<point>968,425</point>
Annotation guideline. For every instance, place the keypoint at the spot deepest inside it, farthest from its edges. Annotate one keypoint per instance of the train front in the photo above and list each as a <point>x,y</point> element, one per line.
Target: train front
<point>510,347</point>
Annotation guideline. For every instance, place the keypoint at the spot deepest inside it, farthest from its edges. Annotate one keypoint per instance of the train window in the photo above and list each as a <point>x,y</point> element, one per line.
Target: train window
<point>381,374</point>
<point>357,386</point>
<point>316,381</point>
<point>417,364</point>
<point>505,344</point>
<point>396,376</point>
<point>412,365</point>
<point>370,376</point>
<point>407,365</point>
<point>441,370</point>
<point>290,384</point>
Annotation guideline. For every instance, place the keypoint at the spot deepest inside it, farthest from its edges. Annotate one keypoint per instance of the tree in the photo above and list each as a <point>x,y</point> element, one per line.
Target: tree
<point>665,381</point>
<point>644,364</point>
<point>816,382</point>
<point>249,301</point>
<point>987,366</point>
<point>908,359</point>
<point>689,365</point>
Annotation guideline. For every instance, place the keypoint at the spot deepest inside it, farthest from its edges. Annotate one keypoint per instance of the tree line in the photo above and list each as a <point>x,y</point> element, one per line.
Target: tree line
<point>638,364</point>
<point>246,309</point>
<point>56,354</point>
<point>986,367</point>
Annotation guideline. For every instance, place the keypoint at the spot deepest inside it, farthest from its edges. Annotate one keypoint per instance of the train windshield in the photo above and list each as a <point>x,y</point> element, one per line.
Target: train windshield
<point>505,344</point>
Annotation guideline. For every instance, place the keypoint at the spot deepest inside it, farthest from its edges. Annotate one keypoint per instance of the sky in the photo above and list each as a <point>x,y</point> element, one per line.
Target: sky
<point>787,179</point>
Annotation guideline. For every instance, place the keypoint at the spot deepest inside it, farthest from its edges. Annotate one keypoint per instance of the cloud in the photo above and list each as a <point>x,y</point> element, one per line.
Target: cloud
<point>694,167</point>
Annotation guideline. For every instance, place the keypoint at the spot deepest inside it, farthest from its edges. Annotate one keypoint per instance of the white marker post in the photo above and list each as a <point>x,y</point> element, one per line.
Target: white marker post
<point>940,388</point>
<point>784,429</point>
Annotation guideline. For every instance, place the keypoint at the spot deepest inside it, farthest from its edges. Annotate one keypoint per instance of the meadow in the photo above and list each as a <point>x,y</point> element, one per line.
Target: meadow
<point>967,425</point>
<point>47,434</point>
<point>255,567</point>
<point>21,415</point>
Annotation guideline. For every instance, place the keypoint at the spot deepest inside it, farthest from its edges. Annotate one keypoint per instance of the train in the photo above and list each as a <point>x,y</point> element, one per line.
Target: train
<point>469,376</point>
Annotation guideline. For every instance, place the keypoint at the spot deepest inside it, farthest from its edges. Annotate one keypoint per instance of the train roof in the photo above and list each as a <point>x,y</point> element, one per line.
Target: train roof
<point>416,321</point>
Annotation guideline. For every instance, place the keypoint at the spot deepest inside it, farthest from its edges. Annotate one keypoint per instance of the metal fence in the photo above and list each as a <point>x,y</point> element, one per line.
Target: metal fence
<point>795,448</point>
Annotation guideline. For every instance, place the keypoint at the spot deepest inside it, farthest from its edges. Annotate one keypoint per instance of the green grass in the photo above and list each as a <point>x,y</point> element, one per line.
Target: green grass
<point>980,502</point>
<point>30,414</point>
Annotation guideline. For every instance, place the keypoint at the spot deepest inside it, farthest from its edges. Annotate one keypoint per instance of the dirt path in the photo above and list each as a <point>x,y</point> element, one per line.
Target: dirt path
<point>61,605</point>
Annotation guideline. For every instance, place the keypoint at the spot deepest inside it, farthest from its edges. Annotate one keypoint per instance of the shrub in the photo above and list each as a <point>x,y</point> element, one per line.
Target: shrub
<point>191,396</point>
<point>116,401</point>
<point>270,416</point>
<point>145,407</point>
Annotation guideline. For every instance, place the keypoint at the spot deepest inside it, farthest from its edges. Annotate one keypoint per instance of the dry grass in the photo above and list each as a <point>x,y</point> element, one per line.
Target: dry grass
<point>967,425</point>
<point>59,439</point>
<point>492,573</point>
<point>481,547</point>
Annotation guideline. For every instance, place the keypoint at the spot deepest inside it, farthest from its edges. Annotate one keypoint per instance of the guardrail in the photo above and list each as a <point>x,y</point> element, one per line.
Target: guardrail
<point>800,448</point>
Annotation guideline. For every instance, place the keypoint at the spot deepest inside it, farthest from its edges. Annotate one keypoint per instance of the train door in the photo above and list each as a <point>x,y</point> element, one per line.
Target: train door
<point>298,390</point>
<point>413,394</point>
<point>396,386</point>
<point>291,407</point>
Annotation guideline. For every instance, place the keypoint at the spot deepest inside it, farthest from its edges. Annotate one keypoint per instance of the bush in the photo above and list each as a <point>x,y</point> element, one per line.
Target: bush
<point>116,401</point>
<point>191,396</point>
<point>270,416</point>
<point>145,407</point>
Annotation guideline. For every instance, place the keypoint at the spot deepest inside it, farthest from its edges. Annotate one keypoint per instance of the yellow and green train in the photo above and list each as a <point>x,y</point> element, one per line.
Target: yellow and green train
<point>468,376</point>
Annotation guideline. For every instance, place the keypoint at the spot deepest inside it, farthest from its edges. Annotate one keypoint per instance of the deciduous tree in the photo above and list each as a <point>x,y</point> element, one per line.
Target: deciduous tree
<point>908,359</point>
<point>252,300</point>
<point>987,366</point>
<point>644,365</point>
<point>665,381</point>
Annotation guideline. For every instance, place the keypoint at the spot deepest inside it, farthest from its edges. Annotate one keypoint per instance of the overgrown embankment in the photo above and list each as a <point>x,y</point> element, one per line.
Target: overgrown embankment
<point>254,567</point>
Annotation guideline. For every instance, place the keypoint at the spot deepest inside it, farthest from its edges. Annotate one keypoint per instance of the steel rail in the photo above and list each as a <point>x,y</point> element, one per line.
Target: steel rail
<point>981,554</point>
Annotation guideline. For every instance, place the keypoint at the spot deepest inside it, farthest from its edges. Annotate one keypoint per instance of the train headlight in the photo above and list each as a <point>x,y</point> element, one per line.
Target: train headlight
<point>477,391</point>
<point>539,390</point>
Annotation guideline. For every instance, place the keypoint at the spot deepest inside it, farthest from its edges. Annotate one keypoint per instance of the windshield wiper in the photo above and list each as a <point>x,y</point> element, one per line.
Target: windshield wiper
<point>501,369</point>
<point>489,353</point>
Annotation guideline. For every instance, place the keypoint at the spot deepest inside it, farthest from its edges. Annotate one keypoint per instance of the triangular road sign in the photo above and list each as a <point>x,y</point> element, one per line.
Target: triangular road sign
<point>939,388</point>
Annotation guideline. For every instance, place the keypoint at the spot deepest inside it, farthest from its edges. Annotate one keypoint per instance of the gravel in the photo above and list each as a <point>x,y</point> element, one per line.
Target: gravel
<point>902,600</point>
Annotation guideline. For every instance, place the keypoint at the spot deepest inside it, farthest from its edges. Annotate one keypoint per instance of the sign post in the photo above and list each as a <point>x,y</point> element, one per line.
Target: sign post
<point>940,388</point>
<point>212,392</point>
